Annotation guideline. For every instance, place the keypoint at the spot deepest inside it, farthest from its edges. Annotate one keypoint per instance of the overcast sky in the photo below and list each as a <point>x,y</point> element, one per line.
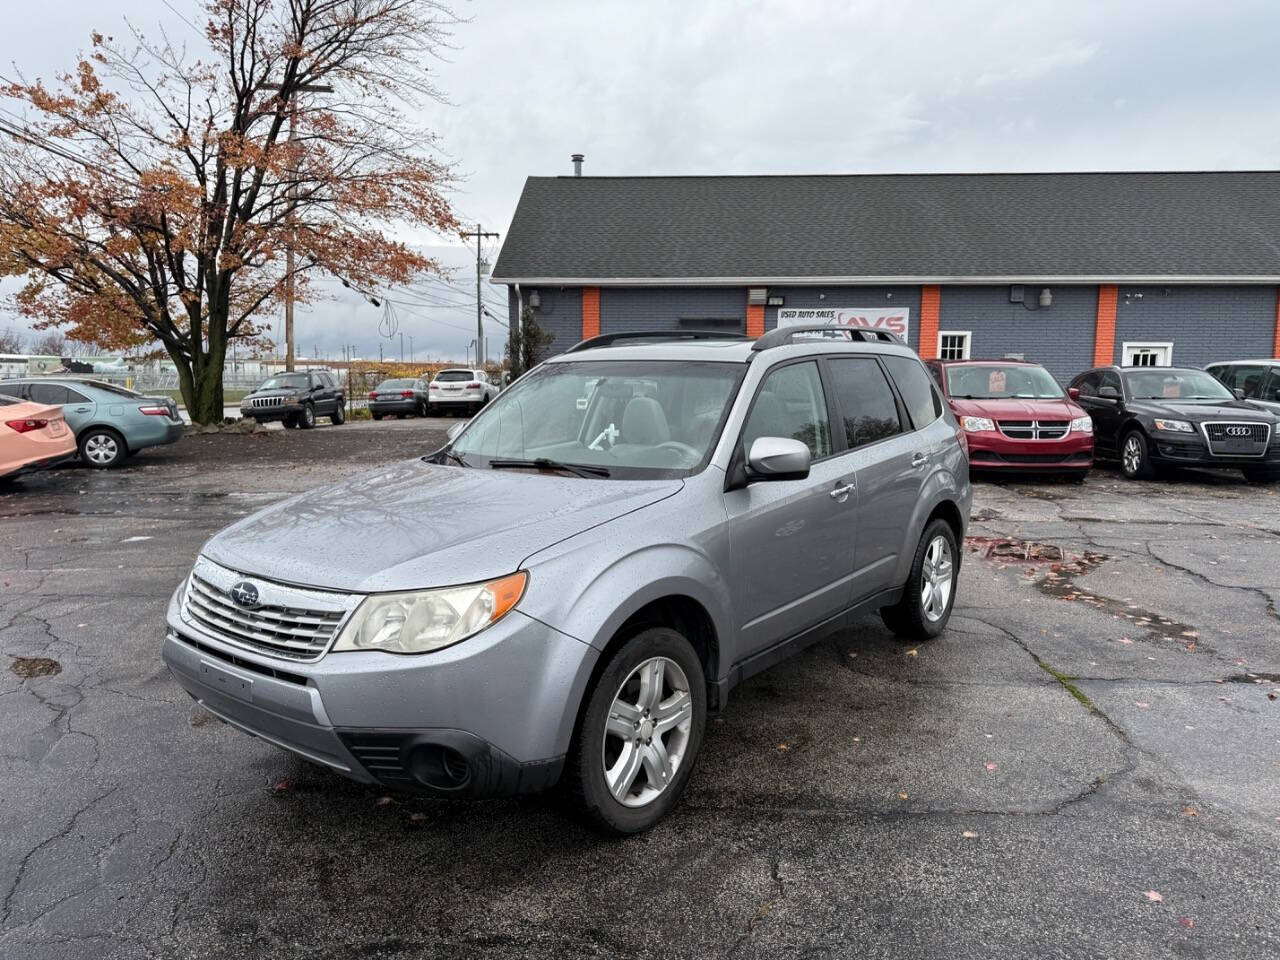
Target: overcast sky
<point>787,86</point>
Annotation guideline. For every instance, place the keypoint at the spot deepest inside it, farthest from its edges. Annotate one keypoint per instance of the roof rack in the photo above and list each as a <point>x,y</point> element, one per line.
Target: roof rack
<point>784,335</point>
<point>609,339</point>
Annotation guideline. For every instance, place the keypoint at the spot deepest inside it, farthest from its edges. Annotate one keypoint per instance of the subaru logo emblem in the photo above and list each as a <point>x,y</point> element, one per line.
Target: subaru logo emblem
<point>245,594</point>
<point>1238,431</point>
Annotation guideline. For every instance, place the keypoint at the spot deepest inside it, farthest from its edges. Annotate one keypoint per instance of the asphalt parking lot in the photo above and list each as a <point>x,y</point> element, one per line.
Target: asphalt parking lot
<point>1086,765</point>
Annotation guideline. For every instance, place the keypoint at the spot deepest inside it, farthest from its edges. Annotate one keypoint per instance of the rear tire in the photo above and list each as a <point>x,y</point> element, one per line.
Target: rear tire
<point>339,416</point>
<point>401,416</point>
<point>375,416</point>
<point>930,593</point>
<point>102,448</point>
<point>618,724</point>
<point>1135,457</point>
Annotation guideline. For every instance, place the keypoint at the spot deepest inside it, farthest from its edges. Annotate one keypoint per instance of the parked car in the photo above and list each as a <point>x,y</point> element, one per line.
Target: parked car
<point>1016,417</point>
<point>1152,417</point>
<point>32,436</point>
<point>398,397</point>
<point>110,423</point>
<point>589,566</point>
<point>297,399</point>
<point>461,390</point>
<point>1257,381</point>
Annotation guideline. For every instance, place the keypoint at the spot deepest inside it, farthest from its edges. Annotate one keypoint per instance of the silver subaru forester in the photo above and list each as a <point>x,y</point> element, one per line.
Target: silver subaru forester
<point>562,592</point>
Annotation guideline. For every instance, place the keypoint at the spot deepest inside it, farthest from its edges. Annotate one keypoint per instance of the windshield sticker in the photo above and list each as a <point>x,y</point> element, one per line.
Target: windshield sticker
<point>995,382</point>
<point>1173,389</point>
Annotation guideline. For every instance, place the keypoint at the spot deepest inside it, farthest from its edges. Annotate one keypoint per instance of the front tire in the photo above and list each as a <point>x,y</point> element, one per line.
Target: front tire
<point>1261,475</point>
<point>930,594</point>
<point>102,448</point>
<point>1135,457</point>
<point>640,734</point>
<point>307,418</point>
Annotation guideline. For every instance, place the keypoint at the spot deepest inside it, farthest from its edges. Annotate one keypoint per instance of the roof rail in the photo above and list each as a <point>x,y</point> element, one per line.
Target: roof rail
<point>784,335</point>
<point>609,339</point>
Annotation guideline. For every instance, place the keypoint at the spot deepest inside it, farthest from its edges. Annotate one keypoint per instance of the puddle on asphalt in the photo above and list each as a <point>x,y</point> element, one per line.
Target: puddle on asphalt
<point>1059,581</point>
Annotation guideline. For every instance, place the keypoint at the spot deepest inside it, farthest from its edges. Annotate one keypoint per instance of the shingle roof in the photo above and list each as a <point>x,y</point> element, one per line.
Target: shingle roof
<point>1091,226</point>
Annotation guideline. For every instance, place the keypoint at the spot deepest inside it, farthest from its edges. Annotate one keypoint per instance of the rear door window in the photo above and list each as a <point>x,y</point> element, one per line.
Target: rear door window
<point>868,408</point>
<point>50,393</point>
<point>918,393</point>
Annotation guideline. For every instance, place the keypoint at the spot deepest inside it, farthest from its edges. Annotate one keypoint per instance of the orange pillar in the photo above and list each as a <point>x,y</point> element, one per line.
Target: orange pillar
<point>590,312</point>
<point>1104,334</point>
<point>755,320</point>
<point>930,310</point>
<point>1275,349</point>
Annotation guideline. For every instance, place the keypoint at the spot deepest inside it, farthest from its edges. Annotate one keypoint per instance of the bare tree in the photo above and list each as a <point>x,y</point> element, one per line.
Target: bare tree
<point>11,341</point>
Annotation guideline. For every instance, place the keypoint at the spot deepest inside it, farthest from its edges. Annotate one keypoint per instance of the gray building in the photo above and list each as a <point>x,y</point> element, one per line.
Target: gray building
<point>1067,269</point>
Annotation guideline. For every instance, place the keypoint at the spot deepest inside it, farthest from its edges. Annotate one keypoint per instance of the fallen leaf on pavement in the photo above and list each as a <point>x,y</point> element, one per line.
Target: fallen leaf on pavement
<point>992,766</point>
<point>783,746</point>
<point>282,786</point>
<point>417,817</point>
<point>902,796</point>
<point>1187,922</point>
<point>1153,897</point>
<point>1143,706</point>
<point>382,801</point>
<point>1125,640</point>
<point>969,835</point>
<point>1190,812</point>
<point>913,653</point>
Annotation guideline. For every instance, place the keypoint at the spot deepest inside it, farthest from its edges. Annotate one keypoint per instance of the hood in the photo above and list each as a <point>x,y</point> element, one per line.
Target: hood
<point>1012,408</point>
<point>1198,410</point>
<point>414,525</point>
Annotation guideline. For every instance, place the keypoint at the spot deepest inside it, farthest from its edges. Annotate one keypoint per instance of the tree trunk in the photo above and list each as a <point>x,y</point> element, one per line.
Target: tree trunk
<point>201,385</point>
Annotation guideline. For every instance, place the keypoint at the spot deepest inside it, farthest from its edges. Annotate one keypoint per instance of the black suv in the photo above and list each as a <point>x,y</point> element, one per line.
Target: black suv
<point>297,399</point>
<point>1148,417</point>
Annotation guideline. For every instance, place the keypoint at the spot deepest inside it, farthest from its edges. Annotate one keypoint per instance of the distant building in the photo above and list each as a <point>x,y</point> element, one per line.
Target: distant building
<point>1067,269</point>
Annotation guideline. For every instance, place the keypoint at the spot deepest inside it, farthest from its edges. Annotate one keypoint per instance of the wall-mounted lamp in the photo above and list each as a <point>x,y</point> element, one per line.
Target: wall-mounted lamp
<point>535,301</point>
<point>1046,297</point>
<point>774,301</point>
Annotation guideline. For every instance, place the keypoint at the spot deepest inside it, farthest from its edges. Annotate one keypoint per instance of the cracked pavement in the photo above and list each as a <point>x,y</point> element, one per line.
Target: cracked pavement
<point>1086,731</point>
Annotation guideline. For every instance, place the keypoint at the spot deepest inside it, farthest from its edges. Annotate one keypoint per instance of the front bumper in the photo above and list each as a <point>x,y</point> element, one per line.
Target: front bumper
<point>274,412</point>
<point>1191,450</point>
<point>491,716</point>
<point>995,451</point>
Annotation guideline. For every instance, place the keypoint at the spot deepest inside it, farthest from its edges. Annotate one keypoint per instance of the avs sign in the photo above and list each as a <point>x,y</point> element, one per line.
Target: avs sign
<point>894,319</point>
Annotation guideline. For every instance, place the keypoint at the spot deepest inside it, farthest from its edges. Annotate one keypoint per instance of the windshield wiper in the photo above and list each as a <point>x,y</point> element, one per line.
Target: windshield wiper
<point>440,455</point>
<point>544,463</point>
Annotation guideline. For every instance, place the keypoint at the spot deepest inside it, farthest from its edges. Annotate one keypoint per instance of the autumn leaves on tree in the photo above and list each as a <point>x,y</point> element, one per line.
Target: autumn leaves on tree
<point>152,194</point>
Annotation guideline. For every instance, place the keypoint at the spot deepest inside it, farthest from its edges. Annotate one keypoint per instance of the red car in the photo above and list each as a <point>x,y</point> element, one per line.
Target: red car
<point>1017,418</point>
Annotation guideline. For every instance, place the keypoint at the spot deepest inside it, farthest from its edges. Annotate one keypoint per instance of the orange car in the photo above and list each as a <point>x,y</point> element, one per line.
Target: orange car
<point>32,436</point>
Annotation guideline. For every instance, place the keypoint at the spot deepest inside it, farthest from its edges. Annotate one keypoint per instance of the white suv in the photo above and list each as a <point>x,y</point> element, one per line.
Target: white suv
<point>460,389</point>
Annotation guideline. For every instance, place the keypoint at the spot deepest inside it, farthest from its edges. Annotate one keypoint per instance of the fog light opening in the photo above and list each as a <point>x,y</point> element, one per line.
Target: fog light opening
<point>440,767</point>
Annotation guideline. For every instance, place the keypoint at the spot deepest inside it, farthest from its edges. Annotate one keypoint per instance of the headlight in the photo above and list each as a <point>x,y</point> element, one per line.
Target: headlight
<point>977,424</point>
<point>1082,424</point>
<point>429,619</point>
<point>1175,426</point>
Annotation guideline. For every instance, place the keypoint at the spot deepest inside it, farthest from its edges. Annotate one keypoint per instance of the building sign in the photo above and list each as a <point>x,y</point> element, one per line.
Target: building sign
<point>894,319</point>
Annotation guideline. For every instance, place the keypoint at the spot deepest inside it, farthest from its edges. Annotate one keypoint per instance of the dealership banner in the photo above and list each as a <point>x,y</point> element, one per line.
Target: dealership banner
<point>894,319</point>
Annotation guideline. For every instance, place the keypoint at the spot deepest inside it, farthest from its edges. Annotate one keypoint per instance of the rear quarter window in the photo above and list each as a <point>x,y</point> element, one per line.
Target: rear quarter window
<point>918,392</point>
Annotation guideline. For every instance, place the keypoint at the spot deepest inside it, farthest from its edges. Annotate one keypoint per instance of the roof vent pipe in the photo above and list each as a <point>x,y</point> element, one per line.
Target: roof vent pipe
<point>577,164</point>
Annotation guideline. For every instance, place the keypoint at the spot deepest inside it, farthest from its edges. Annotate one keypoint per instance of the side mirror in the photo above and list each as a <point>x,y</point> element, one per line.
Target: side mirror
<point>778,458</point>
<point>1073,393</point>
<point>1108,393</point>
<point>1239,392</point>
<point>454,430</point>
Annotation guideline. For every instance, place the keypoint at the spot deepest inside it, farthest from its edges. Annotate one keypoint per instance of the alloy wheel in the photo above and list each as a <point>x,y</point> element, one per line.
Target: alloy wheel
<point>1132,456</point>
<point>647,732</point>
<point>101,449</point>
<point>936,578</point>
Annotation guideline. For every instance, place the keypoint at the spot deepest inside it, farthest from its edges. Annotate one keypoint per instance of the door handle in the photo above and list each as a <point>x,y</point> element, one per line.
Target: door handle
<point>919,459</point>
<point>841,493</point>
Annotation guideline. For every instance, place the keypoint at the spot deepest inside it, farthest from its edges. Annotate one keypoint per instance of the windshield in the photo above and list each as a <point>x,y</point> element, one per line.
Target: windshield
<point>1175,385</point>
<point>453,376</point>
<point>636,419</point>
<point>285,381</point>
<point>395,385</point>
<point>995,381</point>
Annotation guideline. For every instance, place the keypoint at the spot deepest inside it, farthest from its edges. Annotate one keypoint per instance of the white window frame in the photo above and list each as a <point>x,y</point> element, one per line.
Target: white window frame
<point>1128,345</point>
<point>968,343</point>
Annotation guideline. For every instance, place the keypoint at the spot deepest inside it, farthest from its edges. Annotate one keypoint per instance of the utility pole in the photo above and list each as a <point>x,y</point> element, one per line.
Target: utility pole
<point>411,348</point>
<point>480,235</point>
<point>293,200</point>
<point>402,346</point>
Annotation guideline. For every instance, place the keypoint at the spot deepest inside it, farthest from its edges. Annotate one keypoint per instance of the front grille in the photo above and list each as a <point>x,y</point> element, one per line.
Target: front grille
<point>289,622</point>
<point>1034,429</point>
<point>1237,439</point>
<point>266,401</point>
